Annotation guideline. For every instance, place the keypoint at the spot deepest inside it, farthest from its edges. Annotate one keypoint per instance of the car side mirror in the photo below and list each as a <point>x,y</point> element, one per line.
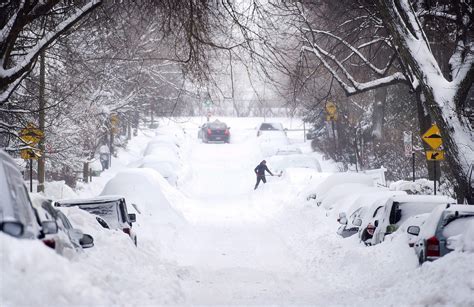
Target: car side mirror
<point>132,217</point>
<point>342,220</point>
<point>86,241</point>
<point>413,230</point>
<point>357,222</point>
<point>14,229</point>
<point>49,227</point>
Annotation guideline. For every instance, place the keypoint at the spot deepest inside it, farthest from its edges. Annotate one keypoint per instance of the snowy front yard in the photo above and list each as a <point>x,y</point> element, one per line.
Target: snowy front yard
<point>212,240</point>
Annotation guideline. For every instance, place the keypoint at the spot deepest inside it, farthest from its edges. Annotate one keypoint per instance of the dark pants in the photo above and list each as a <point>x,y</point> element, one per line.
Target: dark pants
<point>105,164</point>
<point>260,178</point>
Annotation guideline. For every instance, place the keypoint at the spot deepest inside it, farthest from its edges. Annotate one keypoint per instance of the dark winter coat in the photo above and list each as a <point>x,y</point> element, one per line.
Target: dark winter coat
<point>260,170</point>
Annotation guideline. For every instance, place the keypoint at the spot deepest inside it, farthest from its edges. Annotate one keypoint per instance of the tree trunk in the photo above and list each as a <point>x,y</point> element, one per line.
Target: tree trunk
<point>424,123</point>
<point>42,106</point>
<point>380,97</point>
<point>453,127</point>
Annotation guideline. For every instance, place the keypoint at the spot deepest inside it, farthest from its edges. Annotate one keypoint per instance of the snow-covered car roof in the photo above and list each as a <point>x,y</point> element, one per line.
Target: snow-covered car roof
<point>462,208</point>
<point>98,199</point>
<point>288,150</point>
<point>281,162</point>
<point>441,199</point>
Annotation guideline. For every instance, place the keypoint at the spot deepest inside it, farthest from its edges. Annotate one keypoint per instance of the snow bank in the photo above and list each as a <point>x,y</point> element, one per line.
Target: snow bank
<point>58,190</point>
<point>146,188</point>
<point>37,276</point>
<point>318,191</point>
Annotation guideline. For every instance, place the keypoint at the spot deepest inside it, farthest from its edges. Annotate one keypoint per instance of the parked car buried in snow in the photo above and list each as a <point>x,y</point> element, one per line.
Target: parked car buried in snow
<point>395,211</point>
<point>68,240</point>
<point>271,129</point>
<point>18,218</point>
<point>443,231</point>
<point>363,208</point>
<point>112,211</point>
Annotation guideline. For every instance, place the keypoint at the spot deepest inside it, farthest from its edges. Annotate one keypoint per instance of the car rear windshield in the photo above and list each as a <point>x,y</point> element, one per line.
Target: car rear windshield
<point>217,126</point>
<point>108,211</point>
<point>270,126</point>
<point>457,226</point>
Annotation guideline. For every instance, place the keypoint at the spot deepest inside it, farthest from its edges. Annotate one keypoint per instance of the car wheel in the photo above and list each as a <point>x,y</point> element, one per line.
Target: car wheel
<point>421,258</point>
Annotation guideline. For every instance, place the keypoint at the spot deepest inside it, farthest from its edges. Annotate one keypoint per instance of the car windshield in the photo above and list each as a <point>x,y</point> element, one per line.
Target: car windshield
<point>108,211</point>
<point>271,126</point>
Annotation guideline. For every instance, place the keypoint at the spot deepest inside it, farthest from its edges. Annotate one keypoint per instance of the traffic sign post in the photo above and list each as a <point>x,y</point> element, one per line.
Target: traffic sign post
<point>433,138</point>
<point>408,146</point>
<point>435,155</point>
<point>31,135</point>
<point>331,115</point>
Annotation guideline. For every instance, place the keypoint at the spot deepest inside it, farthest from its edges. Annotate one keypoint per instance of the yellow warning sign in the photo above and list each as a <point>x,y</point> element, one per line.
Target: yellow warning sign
<point>432,137</point>
<point>31,134</point>
<point>331,108</point>
<point>435,155</point>
<point>27,154</point>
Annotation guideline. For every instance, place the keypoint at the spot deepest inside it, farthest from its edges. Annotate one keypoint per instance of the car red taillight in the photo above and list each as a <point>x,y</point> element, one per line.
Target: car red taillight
<point>432,247</point>
<point>209,131</point>
<point>226,132</point>
<point>370,229</point>
<point>126,230</point>
<point>50,243</point>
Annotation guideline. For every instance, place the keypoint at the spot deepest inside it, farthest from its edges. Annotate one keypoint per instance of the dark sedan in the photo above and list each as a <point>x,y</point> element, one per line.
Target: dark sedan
<point>215,131</point>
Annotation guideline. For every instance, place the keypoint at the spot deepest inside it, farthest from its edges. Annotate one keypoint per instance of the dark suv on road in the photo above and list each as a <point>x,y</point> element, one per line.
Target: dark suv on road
<point>215,131</point>
<point>111,210</point>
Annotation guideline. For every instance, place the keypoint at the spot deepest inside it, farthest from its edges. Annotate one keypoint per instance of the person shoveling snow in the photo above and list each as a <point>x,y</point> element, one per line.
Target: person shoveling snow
<point>260,171</point>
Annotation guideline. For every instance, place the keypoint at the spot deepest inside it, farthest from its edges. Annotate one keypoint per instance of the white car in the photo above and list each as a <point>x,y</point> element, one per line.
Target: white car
<point>281,162</point>
<point>357,209</point>
<point>18,218</point>
<point>318,192</point>
<point>271,129</point>
<point>395,211</point>
<point>167,169</point>
<point>288,150</point>
<point>445,229</point>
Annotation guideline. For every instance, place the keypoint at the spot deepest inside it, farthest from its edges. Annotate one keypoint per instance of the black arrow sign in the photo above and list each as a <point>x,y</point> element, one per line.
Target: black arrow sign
<point>433,136</point>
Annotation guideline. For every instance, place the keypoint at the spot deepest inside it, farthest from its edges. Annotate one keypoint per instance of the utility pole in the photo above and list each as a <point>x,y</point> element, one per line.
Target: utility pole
<point>42,106</point>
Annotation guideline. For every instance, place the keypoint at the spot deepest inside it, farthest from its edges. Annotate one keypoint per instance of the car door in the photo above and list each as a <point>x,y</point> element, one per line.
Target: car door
<point>378,222</point>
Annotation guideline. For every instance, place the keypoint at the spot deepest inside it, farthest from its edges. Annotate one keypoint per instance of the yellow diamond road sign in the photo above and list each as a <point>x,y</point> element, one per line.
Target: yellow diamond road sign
<point>432,137</point>
<point>435,155</point>
<point>27,154</point>
<point>331,108</point>
<point>31,135</point>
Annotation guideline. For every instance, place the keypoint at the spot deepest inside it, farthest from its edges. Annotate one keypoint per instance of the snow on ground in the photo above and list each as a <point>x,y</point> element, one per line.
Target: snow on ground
<point>213,240</point>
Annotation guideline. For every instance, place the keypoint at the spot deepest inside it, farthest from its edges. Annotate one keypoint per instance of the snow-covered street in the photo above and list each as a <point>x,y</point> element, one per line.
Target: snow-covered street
<point>213,240</point>
<point>247,153</point>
